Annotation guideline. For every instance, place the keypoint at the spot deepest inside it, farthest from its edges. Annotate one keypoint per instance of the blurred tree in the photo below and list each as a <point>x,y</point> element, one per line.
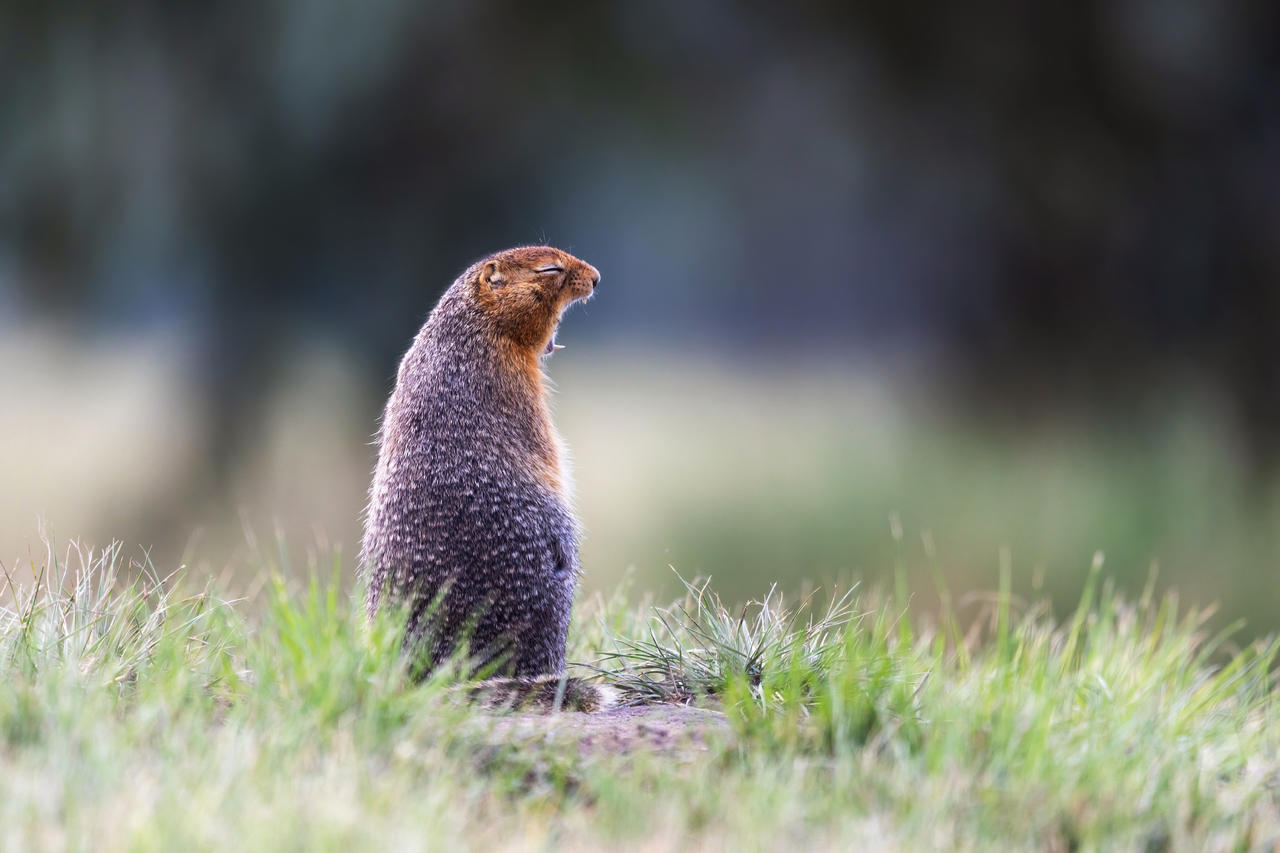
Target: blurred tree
<point>1134,147</point>
<point>1063,195</point>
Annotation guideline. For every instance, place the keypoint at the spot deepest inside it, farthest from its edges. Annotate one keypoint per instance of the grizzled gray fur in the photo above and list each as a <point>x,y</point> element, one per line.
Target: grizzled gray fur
<point>467,510</point>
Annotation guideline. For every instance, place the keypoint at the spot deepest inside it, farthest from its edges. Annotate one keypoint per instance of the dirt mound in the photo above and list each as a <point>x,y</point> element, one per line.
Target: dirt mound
<point>677,728</point>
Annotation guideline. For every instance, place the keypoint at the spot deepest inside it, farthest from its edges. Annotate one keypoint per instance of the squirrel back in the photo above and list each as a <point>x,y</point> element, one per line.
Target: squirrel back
<point>470,524</point>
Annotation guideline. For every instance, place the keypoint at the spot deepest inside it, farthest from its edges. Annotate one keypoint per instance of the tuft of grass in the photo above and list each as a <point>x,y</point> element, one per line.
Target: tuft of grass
<point>698,647</point>
<point>82,621</point>
<point>136,714</point>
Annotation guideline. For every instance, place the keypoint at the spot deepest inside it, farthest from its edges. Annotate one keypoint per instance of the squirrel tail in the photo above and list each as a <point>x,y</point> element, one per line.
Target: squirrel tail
<point>545,693</point>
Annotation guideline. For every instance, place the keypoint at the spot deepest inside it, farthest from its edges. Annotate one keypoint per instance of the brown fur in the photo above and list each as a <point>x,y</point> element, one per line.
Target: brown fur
<point>525,306</point>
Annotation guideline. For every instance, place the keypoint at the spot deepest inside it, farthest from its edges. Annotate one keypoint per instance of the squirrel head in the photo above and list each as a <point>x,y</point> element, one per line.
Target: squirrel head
<point>526,290</point>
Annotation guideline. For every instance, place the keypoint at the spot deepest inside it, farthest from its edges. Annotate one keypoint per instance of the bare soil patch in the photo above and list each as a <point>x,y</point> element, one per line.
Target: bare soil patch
<point>675,728</point>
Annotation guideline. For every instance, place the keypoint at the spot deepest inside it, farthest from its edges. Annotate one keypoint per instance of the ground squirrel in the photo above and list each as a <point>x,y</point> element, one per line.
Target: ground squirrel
<point>470,523</point>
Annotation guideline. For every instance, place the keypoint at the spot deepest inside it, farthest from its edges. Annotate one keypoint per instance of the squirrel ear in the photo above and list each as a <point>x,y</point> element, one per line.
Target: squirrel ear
<point>491,275</point>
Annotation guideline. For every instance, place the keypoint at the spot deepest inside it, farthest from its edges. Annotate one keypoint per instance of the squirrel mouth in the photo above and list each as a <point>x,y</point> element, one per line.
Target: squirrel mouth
<point>552,346</point>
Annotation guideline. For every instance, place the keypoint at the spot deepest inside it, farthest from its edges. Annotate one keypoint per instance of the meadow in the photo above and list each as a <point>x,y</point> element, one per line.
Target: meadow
<point>925,431</point>
<point>752,472</point>
<point>142,711</point>
<point>1018,634</point>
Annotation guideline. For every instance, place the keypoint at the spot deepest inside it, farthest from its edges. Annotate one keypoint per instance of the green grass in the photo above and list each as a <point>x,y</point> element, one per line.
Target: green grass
<point>137,713</point>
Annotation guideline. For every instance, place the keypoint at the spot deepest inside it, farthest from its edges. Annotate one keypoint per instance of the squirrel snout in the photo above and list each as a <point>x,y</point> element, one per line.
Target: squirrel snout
<point>582,282</point>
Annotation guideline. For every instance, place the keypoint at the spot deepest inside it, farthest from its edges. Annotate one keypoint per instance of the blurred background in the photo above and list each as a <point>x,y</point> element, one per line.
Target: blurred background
<point>883,283</point>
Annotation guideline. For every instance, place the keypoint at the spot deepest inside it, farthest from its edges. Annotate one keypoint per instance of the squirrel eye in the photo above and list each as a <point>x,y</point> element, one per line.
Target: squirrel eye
<point>549,268</point>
